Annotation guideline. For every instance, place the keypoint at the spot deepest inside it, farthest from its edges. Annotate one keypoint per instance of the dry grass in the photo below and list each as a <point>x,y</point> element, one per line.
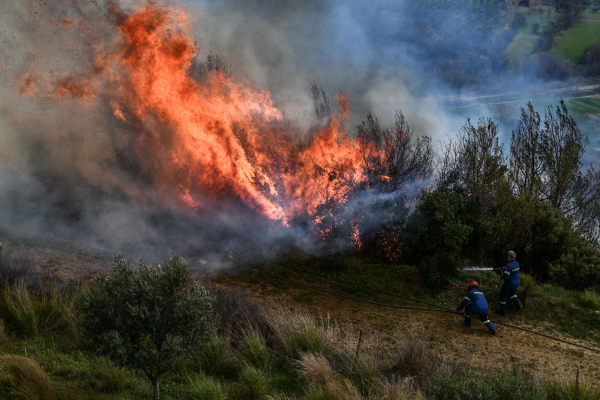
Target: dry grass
<point>298,332</point>
<point>400,389</point>
<point>570,388</point>
<point>255,352</point>
<point>29,313</point>
<point>255,382</point>
<point>528,285</point>
<point>214,355</point>
<point>279,396</point>
<point>238,313</point>
<point>2,330</point>
<point>315,368</point>
<point>343,389</point>
<point>24,379</point>
<point>207,388</point>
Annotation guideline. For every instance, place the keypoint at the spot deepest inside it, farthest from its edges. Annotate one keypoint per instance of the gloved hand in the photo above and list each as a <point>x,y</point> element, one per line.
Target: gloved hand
<point>457,309</point>
<point>498,271</point>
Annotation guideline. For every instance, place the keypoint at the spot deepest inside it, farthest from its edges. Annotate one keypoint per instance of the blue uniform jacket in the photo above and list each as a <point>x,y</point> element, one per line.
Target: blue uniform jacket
<point>477,300</point>
<point>510,273</point>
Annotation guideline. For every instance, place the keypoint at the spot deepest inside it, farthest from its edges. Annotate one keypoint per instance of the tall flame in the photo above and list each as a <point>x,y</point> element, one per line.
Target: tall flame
<point>214,137</point>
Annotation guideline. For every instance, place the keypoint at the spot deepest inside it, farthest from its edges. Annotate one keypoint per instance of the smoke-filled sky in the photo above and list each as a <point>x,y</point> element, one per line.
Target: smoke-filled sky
<point>69,165</point>
<point>284,45</point>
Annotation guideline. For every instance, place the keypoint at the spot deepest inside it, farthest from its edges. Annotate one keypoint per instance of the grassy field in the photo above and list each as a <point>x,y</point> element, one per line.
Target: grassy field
<point>572,43</point>
<point>363,279</point>
<point>523,44</point>
<point>268,346</point>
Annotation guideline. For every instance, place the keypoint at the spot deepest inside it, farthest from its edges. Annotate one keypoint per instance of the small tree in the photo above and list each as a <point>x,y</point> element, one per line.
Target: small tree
<point>145,318</point>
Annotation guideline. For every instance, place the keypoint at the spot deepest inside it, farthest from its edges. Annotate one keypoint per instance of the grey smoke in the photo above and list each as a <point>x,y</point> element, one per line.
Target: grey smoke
<point>60,166</point>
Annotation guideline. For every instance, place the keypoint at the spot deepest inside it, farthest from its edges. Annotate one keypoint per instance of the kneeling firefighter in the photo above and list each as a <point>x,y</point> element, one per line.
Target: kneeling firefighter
<point>510,275</point>
<point>476,305</point>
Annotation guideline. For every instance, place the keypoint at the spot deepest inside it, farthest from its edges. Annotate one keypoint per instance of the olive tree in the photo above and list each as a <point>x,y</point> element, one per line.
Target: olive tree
<point>145,318</point>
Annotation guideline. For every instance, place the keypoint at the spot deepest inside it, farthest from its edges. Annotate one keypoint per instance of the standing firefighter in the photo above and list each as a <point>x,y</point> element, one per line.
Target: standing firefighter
<point>476,305</point>
<point>510,275</point>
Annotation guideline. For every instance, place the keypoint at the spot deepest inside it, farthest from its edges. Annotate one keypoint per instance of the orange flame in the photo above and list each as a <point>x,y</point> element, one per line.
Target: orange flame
<point>217,137</point>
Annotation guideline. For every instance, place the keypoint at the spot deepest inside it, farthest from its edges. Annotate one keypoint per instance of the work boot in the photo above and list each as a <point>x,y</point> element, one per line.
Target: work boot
<point>518,304</point>
<point>467,324</point>
<point>495,330</point>
<point>501,312</point>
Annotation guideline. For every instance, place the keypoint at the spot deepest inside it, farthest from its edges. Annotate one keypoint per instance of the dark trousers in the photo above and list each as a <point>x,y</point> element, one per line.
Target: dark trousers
<point>507,293</point>
<point>482,314</point>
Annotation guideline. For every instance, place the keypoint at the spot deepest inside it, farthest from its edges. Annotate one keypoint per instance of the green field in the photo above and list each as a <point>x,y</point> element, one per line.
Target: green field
<point>523,44</point>
<point>572,43</point>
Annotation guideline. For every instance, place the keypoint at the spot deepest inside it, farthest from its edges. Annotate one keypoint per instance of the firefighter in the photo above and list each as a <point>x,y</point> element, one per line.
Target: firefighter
<point>474,304</point>
<point>510,275</point>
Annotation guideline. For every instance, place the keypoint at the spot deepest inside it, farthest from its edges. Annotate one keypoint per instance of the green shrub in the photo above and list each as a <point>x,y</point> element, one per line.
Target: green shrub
<point>508,386</point>
<point>557,253</point>
<point>255,383</point>
<point>146,318</point>
<point>443,387</point>
<point>435,237</point>
<point>589,299</point>
<point>213,355</point>
<point>255,352</point>
<point>207,388</point>
<point>578,267</point>
<point>475,387</point>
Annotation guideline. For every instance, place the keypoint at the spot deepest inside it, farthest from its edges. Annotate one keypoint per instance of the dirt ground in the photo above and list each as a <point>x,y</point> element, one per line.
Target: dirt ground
<point>510,348</point>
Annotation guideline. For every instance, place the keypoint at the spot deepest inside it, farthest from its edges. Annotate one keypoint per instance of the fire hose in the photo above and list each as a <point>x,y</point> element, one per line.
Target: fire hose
<point>440,308</point>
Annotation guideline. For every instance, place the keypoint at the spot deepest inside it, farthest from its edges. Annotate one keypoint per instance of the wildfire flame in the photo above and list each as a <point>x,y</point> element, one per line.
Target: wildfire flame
<point>211,138</point>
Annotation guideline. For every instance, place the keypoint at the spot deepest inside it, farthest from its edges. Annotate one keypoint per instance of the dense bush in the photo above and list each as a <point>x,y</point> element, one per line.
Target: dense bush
<point>578,267</point>
<point>556,252</point>
<point>435,237</point>
<point>590,60</point>
<point>545,41</point>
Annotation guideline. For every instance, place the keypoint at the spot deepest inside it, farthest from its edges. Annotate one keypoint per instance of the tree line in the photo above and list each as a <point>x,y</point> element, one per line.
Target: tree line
<point>473,200</point>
